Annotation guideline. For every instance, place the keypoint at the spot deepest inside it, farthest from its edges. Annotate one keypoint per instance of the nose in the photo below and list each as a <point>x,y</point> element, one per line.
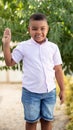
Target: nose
<point>38,31</point>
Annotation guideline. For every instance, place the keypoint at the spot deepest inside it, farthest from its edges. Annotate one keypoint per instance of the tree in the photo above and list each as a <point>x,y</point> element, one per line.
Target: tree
<point>15,14</point>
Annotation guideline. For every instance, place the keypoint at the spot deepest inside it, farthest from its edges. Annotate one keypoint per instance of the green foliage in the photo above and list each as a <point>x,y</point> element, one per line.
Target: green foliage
<point>15,15</point>
<point>70,126</point>
<point>69,102</point>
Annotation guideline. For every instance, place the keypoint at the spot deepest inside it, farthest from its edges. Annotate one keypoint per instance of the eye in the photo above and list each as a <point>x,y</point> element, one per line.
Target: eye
<point>34,29</point>
<point>42,29</point>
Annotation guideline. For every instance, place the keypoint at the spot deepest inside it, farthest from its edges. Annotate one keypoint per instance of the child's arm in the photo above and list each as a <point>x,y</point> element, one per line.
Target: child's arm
<point>6,47</point>
<point>60,79</point>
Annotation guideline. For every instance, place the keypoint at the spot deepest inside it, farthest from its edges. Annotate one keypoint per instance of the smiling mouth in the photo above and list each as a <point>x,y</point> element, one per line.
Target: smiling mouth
<point>38,36</point>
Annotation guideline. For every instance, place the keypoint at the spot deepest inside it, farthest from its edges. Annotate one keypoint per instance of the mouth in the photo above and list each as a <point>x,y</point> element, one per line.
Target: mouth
<point>38,36</point>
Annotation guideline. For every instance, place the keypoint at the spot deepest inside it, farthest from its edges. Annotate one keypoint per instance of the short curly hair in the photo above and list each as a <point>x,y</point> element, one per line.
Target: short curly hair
<point>38,16</point>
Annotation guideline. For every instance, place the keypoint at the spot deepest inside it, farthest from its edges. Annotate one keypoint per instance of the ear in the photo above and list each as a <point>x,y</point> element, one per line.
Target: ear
<point>48,28</point>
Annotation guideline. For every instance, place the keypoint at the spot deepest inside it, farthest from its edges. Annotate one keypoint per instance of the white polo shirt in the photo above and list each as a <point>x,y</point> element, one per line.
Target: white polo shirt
<point>38,63</point>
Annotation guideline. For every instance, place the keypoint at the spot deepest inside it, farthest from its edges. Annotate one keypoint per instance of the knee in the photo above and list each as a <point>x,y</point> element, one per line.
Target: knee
<point>31,124</point>
<point>46,125</point>
<point>45,122</point>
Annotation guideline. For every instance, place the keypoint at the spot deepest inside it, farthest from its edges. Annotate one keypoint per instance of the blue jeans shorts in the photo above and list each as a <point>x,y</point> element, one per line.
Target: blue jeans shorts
<point>37,106</point>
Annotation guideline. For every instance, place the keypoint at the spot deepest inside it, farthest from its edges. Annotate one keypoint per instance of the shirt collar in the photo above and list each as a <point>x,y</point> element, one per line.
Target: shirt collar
<point>33,41</point>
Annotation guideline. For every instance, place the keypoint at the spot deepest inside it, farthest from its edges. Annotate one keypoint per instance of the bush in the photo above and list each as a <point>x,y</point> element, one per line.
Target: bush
<point>69,103</point>
<point>70,126</point>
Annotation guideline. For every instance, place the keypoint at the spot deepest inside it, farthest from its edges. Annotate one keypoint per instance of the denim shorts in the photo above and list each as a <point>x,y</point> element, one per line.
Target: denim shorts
<point>37,106</point>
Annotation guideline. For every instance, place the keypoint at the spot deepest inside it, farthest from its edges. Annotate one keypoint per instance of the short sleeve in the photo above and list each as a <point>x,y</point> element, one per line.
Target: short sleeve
<point>57,57</point>
<point>17,54</point>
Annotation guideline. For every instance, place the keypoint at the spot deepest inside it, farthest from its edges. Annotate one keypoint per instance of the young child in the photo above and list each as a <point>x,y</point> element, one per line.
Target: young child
<point>41,64</point>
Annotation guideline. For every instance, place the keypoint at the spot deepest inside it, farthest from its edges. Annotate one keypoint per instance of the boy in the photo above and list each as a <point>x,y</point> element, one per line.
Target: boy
<point>41,64</point>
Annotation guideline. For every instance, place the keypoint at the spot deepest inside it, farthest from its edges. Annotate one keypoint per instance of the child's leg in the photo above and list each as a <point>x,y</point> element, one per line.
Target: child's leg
<point>47,109</point>
<point>31,126</point>
<point>31,105</point>
<point>46,125</point>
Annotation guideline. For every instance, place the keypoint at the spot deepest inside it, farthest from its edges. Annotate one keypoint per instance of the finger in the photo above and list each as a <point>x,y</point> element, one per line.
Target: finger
<point>7,31</point>
<point>6,37</point>
<point>62,101</point>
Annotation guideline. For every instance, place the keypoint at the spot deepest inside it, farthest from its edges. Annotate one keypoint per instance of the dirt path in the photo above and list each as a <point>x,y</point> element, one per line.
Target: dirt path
<point>11,110</point>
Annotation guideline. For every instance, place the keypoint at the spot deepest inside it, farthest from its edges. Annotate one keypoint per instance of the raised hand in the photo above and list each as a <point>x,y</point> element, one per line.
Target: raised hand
<point>6,36</point>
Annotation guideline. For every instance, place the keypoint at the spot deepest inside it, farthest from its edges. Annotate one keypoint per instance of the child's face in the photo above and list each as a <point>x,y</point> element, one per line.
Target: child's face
<point>38,30</point>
